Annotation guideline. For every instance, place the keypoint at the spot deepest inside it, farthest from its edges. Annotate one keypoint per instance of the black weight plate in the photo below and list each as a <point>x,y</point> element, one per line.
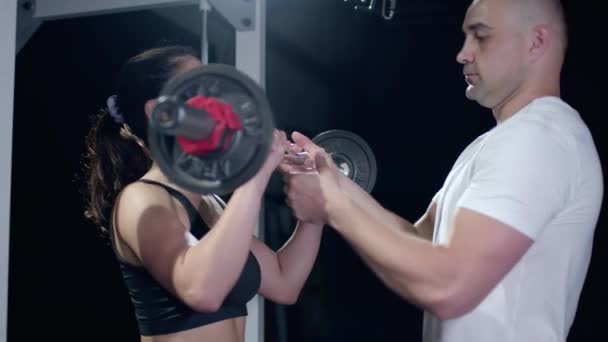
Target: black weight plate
<point>220,172</point>
<point>352,154</point>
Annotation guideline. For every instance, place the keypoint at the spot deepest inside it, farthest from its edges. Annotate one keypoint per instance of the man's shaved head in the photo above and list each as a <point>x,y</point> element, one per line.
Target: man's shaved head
<point>547,13</point>
<point>535,13</point>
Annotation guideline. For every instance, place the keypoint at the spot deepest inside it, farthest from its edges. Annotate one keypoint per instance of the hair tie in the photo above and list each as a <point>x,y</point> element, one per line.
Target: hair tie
<point>113,110</point>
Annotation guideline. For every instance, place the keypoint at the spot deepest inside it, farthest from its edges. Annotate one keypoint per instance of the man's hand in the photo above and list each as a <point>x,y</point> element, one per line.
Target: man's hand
<point>313,194</point>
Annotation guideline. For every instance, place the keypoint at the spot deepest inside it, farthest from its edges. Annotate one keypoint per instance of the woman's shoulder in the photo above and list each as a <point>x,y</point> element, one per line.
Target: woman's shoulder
<point>140,195</point>
<point>139,202</point>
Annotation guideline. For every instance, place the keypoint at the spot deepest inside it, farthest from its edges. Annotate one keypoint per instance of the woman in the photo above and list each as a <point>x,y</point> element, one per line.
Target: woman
<point>190,264</point>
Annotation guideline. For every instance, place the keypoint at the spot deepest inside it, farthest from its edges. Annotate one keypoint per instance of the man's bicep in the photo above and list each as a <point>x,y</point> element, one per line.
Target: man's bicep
<point>483,250</point>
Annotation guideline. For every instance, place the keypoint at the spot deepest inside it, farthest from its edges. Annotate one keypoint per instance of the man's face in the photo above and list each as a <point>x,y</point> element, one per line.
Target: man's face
<point>493,53</point>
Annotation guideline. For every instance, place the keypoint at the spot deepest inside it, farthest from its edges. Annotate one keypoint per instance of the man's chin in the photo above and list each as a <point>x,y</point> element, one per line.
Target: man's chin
<point>470,94</point>
<point>473,95</point>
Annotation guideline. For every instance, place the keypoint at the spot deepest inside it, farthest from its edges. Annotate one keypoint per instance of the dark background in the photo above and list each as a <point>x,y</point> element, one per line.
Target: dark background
<point>396,84</point>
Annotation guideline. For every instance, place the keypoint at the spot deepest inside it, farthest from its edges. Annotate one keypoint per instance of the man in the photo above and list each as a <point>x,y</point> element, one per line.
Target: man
<point>502,252</point>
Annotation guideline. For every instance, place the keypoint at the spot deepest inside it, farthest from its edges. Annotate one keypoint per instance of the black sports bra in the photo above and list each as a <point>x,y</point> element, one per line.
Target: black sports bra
<point>158,311</point>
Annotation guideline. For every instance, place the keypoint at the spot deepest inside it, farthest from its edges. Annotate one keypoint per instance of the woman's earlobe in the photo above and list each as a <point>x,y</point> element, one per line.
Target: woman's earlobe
<point>149,107</point>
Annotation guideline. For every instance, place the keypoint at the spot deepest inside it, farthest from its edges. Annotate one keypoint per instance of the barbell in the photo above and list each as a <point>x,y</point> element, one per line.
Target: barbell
<point>212,127</point>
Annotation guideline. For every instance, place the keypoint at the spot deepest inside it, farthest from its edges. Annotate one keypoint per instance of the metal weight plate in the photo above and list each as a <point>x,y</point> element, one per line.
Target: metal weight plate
<point>352,155</point>
<point>218,172</point>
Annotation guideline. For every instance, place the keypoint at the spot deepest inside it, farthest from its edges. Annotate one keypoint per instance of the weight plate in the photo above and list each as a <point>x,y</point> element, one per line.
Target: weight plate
<point>223,171</point>
<point>352,155</point>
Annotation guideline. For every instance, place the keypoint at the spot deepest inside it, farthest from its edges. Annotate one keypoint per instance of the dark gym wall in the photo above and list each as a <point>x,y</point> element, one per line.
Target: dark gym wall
<point>396,84</point>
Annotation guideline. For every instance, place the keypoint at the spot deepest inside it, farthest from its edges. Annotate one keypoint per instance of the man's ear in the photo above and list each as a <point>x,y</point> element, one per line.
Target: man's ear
<point>541,41</point>
<point>149,107</point>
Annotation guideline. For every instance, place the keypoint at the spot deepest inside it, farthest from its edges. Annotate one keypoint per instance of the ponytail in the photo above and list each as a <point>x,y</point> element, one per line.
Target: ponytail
<point>114,158</point>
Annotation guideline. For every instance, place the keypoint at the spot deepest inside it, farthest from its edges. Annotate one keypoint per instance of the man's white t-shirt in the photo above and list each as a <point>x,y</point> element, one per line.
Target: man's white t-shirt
<point>540,173</point>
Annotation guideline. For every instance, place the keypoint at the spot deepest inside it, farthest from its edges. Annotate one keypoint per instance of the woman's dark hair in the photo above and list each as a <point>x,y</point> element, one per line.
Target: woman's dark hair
<point>116,146</point>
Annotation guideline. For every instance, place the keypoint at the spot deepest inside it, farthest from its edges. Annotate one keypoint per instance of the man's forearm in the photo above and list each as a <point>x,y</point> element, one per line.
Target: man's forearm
<point>373,208</point>
<point>388,278</point>
<point>411,266</point>
<point>423,227</point>
<point>381,215</point>
<point>366,202</point>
